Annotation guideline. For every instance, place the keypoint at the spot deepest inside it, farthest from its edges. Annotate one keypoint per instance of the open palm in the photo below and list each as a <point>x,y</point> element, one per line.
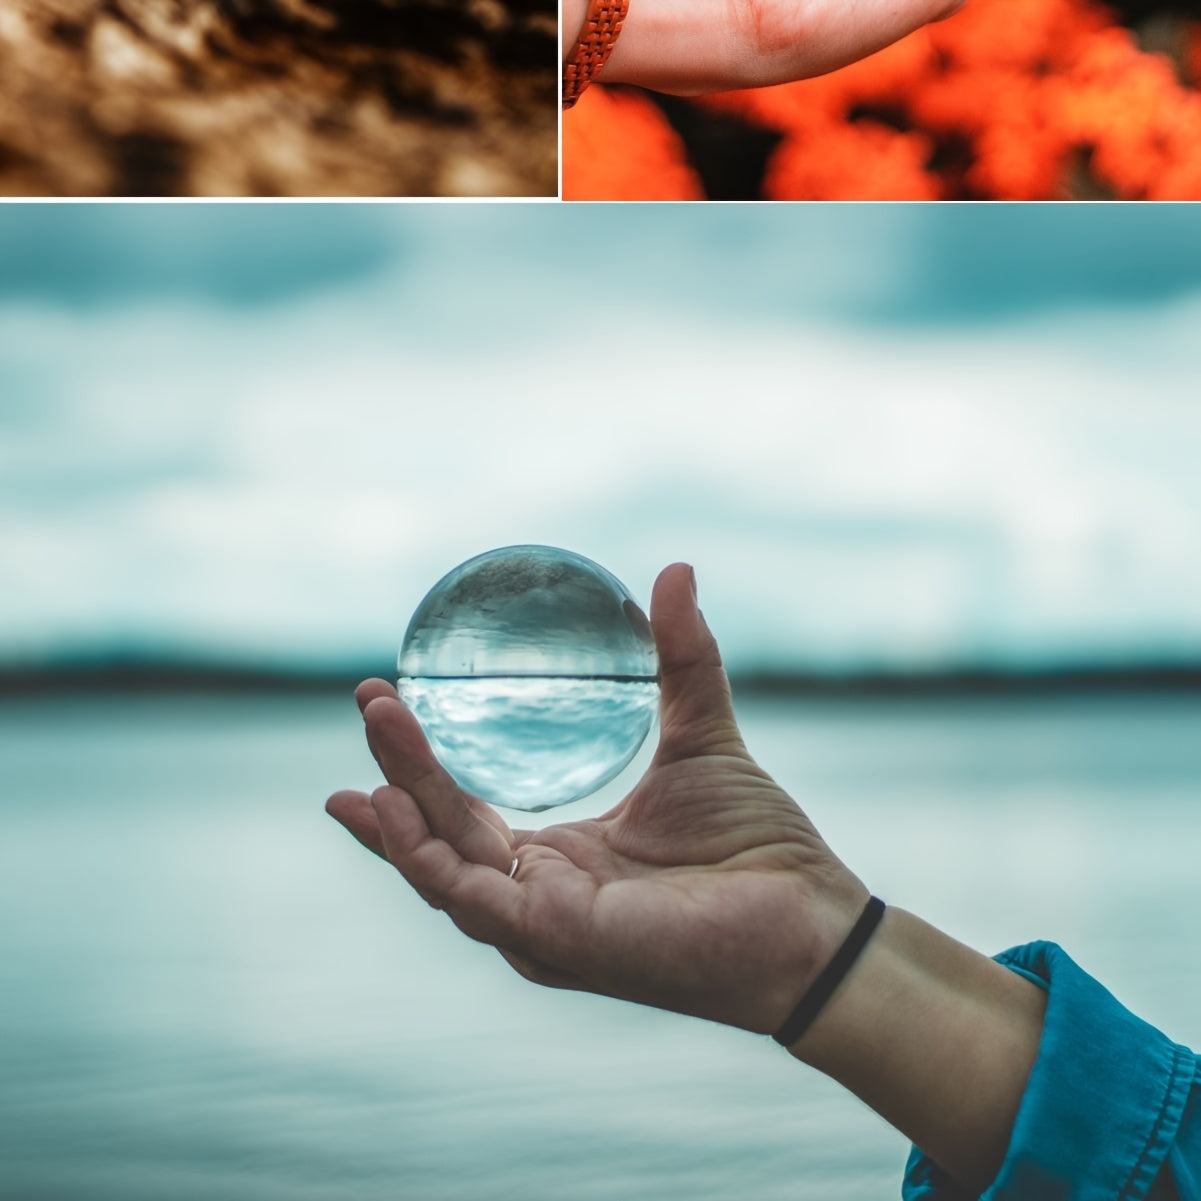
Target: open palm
<point>705,890</point>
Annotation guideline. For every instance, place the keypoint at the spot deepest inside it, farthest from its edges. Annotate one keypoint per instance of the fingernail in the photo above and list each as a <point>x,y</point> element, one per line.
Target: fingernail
<point>692,580</point>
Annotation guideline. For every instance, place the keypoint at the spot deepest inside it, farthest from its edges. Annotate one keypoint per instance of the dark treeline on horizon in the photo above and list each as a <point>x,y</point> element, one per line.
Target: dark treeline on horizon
<point>182,676</point>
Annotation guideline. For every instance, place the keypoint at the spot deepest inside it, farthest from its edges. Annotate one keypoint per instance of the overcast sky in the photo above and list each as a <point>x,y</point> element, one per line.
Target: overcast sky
<point>885,435</point>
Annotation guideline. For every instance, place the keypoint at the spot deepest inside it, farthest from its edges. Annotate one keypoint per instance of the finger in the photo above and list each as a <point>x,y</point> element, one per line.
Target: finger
<point>368,690</point>
<point>404,756</point>
<point>353,810</point>
<point>540,973</point>
<point>695,712</point>
<point>487,814</point>
<point>483,902</point>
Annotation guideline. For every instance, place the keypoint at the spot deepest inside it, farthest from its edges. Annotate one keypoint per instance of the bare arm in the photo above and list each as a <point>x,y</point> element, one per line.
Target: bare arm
<point>937,1038</point>
<point>693,46</point>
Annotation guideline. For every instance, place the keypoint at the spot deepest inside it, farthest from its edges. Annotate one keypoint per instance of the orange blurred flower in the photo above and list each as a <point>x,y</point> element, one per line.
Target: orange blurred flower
<point>622,148</point>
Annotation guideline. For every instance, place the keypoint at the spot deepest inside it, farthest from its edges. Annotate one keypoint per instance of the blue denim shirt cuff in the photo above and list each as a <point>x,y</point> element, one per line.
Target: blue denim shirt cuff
<point>1101,1108</point>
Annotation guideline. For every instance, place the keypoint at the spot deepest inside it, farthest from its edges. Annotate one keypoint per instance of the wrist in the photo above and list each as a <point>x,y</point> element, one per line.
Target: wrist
<point>935,1037</point>
<point>571,22</point>
<point>654,49</point>
<point>678,47</point>
<point>827,903</point>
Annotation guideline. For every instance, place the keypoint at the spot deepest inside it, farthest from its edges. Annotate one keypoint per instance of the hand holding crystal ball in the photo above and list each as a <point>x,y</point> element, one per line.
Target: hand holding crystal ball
<point>533,674</point>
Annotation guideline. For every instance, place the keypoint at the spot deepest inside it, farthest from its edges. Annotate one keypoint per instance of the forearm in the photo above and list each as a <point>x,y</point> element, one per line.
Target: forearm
<point>936,1038</point>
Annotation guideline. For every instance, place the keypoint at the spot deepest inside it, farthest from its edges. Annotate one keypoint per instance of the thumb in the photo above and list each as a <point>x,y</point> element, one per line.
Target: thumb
<point>696,716</point>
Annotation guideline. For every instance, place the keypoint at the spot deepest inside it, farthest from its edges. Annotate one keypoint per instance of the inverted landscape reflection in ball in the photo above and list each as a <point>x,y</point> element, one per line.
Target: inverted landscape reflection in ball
<point>533,674</point>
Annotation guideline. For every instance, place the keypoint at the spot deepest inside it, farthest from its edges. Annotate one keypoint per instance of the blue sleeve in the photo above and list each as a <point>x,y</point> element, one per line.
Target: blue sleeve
<point>1111,1111</point>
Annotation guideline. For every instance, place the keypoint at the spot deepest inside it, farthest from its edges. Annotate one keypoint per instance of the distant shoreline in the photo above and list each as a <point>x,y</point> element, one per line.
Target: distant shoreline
<point>139,676</point>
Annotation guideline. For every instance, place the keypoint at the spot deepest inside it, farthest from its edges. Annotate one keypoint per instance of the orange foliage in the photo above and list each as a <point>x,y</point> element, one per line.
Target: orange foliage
<point>1009,100</point>
<point>1192,52</point>
<point>617,146</point>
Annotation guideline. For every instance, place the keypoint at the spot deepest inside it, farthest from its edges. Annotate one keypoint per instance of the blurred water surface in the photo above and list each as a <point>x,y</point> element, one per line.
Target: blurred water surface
<point>207,990</point>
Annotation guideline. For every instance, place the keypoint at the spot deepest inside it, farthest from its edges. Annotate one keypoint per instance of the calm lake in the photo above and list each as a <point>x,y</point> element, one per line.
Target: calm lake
<point>207,990</point>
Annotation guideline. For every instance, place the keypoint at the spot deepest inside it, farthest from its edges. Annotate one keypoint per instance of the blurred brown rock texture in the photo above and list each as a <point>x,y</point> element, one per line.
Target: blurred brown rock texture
<point>277,97</point>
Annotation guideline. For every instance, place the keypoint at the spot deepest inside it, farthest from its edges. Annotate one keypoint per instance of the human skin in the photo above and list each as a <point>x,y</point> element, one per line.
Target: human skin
<point>688,47</point>
<point>707,891</point>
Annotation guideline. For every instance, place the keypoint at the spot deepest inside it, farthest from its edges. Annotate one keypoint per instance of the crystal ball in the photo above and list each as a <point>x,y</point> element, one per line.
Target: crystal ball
<point>533,674</point>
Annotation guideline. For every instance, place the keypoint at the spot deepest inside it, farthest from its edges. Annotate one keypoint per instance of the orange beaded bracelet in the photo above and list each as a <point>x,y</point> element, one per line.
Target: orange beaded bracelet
<point>593,47</point>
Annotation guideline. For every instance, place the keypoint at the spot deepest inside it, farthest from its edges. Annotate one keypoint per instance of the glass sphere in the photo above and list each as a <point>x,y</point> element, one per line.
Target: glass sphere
<point>533,674</point>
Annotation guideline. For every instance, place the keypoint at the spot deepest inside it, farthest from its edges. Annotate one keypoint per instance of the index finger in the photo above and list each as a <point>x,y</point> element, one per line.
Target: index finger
<point>369,690</point>
<point>404,756</point>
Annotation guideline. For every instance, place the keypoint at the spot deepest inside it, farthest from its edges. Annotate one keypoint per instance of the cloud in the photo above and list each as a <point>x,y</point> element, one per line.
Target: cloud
<point>89,255</point>
<point>882,264</point>
<point>874,263</point>
<point>286,479</point>
<point>973,265</point>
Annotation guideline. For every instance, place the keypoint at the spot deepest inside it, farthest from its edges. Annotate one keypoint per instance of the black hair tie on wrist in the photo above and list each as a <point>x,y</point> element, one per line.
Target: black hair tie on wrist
<point>830,977</point>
